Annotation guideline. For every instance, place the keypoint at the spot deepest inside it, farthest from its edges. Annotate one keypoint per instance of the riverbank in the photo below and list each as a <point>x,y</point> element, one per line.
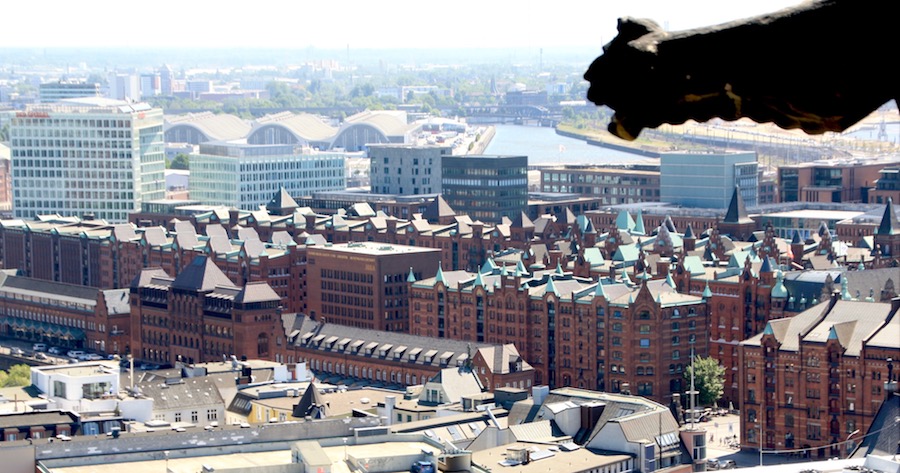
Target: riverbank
<point>484,140</point>
<point>608,141</point>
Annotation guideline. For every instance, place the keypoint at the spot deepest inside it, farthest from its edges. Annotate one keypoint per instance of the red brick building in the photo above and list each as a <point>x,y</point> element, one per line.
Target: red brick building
<point>200,315</point>
<point>65,315</point>
<point>364,284</point>
<point>344,355</point>
<point>96,254</point>
<point>615,335</point>
<point>814,381</point>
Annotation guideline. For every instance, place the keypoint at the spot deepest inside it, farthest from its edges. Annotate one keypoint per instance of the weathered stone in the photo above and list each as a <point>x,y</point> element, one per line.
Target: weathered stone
<point>821,66</point>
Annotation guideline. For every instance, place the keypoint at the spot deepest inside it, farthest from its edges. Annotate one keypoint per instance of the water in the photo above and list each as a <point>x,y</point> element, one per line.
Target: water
<point>543,146</point>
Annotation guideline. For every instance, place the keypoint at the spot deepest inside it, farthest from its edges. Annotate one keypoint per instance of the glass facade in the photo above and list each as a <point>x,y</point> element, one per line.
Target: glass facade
<point>76,159</point>
<point>247,176</point>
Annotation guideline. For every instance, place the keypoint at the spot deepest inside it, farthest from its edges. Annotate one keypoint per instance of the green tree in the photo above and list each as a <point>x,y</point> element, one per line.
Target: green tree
<point>18,375</point>
<point>709,380</point>
<point>180,161</point>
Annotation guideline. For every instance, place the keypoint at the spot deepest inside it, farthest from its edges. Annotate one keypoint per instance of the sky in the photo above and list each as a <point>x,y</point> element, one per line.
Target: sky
<point>361,24</point>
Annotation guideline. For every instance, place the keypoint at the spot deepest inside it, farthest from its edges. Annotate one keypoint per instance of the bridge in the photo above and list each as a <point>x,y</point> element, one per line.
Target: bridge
<point>517,114</point>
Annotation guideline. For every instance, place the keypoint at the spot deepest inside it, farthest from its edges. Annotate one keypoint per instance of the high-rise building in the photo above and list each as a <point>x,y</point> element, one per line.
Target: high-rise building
<point>166,80</point>
<point>87,156</point>
<point>61,90</point>
<point>486,188</point>
<point>125,87</point>
<point>406,169</point>
<point>707,180</point>
<point>246,176</point>
<point>150,84</point>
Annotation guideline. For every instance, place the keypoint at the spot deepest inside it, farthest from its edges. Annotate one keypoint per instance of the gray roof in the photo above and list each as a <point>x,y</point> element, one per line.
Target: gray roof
<point>258,291</point>
<point>854,323</point>
<point>191,392</point>
<point>215,127</point>
<point>58,291</point>
<point>311,334</point>
<point>37,418</point>
<point>201,275</point>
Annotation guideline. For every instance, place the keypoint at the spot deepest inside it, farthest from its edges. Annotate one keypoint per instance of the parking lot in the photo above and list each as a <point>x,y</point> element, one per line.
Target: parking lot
<point>43,353</point>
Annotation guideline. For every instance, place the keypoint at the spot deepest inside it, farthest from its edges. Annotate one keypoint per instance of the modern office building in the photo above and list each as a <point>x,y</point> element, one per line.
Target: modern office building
<point>61,90</point>
<point>848,180</point>
<point>707,180</point>
<point>611,185</point>
<point>150,84</point>
<point>125,87</point>
<point>887,186</point>
<point>406,169</point>
<point>246,176</point>
<point>486,187</point>
<point>87,156</point>
<point>5,180</point>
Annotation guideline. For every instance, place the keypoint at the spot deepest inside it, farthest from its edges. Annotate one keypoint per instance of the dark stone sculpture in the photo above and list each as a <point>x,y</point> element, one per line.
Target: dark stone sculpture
<point>821,66</point>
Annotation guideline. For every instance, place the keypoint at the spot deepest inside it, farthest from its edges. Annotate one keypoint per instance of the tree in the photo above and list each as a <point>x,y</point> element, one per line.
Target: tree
<point>709,380</point>
<point>180,161</point>
<point>18,375</point>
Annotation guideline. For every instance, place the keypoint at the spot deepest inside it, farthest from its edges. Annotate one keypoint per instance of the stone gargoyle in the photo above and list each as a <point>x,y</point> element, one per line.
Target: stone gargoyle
<point>820,66</point>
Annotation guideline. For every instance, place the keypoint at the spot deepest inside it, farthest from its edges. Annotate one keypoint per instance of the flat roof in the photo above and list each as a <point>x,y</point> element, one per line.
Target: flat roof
<point>816,214</point>
<point>250,460</point>
<point>547,459</point>
<point>374,248</point>
<point>82,369</point>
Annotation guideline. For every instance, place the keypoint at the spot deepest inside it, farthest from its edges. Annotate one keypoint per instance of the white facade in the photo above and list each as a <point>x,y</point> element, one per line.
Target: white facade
<point>246,176</point>
<point>88,388</point>
<point>89,155</point>
<point>125,87</point>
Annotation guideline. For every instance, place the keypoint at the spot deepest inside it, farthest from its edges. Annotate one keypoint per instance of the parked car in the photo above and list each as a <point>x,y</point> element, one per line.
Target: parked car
<point>55,351</point>
<point>75,354</point>
<point>41,356</point>
<point>91,357</point>
<point>716,464</point>
<point>39,347</point>
<point>16,351</point>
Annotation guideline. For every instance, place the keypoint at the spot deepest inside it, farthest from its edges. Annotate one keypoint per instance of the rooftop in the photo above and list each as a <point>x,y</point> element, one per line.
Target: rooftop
<point>375,248</point>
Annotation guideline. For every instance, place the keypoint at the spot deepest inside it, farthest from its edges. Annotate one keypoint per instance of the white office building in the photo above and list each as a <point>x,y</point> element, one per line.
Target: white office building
<point>403,169</point>
<point>87,156</point>
<point>245,176</point>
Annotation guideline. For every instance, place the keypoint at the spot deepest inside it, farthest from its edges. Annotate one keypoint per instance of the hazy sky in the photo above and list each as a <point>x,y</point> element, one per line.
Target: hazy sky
<point>330,24</point>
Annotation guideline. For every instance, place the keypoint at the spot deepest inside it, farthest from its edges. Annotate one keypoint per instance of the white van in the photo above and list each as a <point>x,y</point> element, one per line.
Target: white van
<point>39,347</point>
<point>75,354</point>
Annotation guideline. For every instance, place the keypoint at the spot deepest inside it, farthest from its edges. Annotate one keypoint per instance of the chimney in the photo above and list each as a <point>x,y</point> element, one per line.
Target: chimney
<point>389,403</point>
